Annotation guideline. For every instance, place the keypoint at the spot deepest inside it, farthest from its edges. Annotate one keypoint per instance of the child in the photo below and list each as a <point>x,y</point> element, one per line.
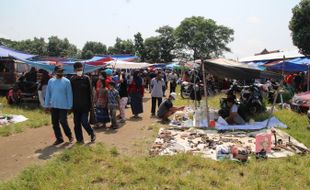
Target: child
<point>113,104</point>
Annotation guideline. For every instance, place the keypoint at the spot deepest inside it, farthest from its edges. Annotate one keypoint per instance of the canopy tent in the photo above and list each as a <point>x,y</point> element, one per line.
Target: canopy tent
<point>291,65</point>
<point>68,69</point>
<point>173,66</point>
<point>7,52</point>
<point>235,70</point>
<point>117,64</point>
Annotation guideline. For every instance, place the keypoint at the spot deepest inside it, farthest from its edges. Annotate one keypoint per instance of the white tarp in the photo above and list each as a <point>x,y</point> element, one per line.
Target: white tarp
<point>117,64</point>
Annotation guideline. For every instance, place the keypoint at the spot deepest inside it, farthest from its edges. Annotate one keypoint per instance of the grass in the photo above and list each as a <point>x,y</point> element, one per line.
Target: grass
<point>36,118</point>
<point>97,167</point>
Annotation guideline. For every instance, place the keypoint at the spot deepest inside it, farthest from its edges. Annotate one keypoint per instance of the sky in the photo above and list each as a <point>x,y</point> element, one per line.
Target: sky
<point>258,24</point>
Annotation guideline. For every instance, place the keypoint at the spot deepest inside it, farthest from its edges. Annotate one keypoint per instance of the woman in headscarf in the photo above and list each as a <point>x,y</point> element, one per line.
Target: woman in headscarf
<point>136,92</point>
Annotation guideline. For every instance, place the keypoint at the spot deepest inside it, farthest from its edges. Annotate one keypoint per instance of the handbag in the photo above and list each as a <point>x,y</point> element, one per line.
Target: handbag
<point>92,117</point>
<point>102,115</point>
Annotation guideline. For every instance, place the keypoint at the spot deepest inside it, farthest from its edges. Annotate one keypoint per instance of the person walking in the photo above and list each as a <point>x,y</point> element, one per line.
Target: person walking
<point>101,102</point>
<point>173,77</point>
<point>82,90</point>
<point>157,93</point>
<point>136,92</point>
<point>123,93</point>
<point>58,100</point>
<point>113,104</point>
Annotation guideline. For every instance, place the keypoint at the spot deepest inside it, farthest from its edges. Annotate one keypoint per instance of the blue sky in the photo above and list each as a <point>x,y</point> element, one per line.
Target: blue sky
<point>258,24</point>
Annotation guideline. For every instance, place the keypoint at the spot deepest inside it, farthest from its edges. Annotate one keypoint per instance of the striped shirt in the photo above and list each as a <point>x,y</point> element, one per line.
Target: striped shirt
<point>113,98</point>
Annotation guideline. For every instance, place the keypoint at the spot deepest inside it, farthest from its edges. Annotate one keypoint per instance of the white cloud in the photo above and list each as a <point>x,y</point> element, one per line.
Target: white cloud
<point>254,20</point>
<point>4,36</point>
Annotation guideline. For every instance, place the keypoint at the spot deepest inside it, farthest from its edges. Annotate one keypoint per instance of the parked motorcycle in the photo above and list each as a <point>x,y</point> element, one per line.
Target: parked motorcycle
<point>23,92</point>
<point>188,91</point>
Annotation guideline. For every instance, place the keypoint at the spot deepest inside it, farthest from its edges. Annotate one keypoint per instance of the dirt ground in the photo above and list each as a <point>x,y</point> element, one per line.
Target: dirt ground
<point>34,146</point>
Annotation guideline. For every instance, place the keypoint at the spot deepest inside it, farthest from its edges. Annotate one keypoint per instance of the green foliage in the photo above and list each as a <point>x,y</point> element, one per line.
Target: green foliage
<point>139,46</point>
<point>152,49</point>
<point>122,47</point>
<point>93,48</point>
<point>300,26</point>
<point>58,47</point>
<point>167,43</point>
<point>204,37</point>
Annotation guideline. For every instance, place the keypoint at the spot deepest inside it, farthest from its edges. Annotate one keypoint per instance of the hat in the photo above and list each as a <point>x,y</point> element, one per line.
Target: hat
<point>58,68</point>
<point>108,71</point>
<point>173,95</point>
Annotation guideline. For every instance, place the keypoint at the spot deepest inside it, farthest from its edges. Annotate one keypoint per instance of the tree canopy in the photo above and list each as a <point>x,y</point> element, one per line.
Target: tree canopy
<point>204,37</point>
<point>300,26</point>
<point>93,48</point>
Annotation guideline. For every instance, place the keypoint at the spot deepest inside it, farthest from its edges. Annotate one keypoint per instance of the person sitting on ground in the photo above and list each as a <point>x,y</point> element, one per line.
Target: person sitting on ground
<point>234,118</point>
<point>166,108</point>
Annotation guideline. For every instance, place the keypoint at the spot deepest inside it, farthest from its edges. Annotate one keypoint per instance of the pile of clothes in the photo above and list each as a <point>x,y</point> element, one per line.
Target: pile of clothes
<point>7,119</point>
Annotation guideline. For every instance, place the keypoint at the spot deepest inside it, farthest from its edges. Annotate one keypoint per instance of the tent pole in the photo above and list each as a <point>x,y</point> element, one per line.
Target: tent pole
<point>205,90</point>
<point>308,78</point>
<point>273,104</point>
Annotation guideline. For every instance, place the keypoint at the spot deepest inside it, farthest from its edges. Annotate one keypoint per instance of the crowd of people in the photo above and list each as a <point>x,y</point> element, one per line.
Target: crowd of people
<point>97,102</point>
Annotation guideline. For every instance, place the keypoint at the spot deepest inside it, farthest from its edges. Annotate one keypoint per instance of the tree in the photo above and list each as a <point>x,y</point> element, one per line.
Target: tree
<point>122,47</point>
<point>152,49</point>
<point>204,37</point>
<point>167,43</point>
<point>58,47</point>
<point>93,48</point>
<point>300,26</point>
<point>139,46</point>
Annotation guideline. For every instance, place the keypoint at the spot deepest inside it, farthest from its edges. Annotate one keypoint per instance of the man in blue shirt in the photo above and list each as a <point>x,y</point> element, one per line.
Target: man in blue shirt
<point>58,100</point>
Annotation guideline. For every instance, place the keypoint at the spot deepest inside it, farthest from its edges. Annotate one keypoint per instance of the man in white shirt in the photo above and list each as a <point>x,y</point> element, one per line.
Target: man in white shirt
<point>157,91</point>
<point>234,118</point>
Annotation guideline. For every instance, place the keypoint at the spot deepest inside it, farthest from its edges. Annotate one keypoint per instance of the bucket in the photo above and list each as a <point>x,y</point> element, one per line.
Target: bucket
<point>212,124</point>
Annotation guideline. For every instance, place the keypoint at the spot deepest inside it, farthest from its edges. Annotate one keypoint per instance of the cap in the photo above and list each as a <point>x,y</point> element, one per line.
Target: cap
<point>173,95</point>
<point>108,71</point>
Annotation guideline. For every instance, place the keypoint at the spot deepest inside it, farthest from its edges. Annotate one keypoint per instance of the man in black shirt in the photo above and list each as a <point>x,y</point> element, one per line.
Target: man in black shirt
<point>166,108</point>
<point>82,103</point>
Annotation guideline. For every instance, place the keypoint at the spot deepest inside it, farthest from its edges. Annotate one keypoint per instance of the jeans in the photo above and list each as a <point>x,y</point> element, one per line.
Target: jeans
<point>81,119</point>
<point>112,113</point>
<point>60,116</point>
<point>154,99</point>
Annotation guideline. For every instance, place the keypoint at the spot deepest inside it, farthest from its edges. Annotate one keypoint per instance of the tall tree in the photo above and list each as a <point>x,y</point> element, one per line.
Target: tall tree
<point>152,49</point>
<point>300,26</point>
<point>122,47</point>
<point>59,47</point>
<point>204,37</point>
<point>139,46</point>
<point>167,43</point>
<point>93,48</point>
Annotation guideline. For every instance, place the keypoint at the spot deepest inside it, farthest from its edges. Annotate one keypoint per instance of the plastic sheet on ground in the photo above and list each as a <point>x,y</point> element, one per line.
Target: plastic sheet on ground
<point>208,143</point>
<point>7,119</point>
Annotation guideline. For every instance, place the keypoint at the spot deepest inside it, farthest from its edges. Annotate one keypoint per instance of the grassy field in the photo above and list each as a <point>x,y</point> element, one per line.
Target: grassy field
<point>36,118</point>
<point>97,167</point>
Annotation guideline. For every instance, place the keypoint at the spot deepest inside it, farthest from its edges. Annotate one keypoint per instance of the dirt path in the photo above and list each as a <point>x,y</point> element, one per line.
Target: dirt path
<point>33,146</point>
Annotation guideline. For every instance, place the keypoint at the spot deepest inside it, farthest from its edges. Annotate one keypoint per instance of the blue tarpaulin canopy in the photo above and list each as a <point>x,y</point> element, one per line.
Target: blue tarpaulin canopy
<point>68,69</point>
<point>292,65</point>
<point>7,52</point>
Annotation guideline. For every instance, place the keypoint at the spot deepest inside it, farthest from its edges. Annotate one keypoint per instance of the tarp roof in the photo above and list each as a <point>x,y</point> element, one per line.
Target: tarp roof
<point>117,64</point>
<point>7,52</point>
<point>292,65</point>
<point>226,68</point>
<point>68,69</point>
<point>273,56</point>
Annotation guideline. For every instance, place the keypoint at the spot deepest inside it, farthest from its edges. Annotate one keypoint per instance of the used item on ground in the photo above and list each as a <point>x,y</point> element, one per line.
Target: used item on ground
<point>238,145</point>
<point>7,119</point>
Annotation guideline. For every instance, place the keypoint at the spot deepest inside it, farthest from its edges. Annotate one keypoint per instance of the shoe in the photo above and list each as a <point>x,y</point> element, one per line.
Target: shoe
<point>71,139</point>
<point>80,142</point>
<point>113,127</point>
<point>122,121</point>
<point>93,137</point>
<point>57,142</point>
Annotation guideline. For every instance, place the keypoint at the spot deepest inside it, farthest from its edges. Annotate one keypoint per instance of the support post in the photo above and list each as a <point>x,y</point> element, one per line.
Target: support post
<point>205,90</point>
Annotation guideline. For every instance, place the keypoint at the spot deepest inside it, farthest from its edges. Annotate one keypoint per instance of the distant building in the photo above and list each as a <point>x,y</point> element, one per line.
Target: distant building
<point>265,51</point>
